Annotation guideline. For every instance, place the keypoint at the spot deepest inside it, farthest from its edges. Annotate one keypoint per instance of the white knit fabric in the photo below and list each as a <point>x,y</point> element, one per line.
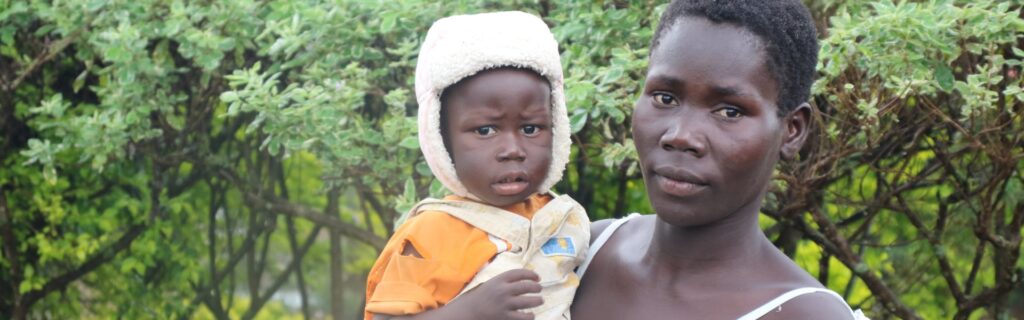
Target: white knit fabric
<point>460,46</point>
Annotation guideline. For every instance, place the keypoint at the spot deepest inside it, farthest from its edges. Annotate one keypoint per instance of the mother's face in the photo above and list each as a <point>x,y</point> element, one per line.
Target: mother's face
<point>706,126</point>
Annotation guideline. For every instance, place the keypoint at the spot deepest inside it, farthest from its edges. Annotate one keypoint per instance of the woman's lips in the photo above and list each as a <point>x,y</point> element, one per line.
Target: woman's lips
<point>678,188</point>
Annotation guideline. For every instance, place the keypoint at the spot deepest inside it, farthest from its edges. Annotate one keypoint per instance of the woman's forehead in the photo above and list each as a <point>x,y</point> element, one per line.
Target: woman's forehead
<point>723,56</point>
<point>698,38</point>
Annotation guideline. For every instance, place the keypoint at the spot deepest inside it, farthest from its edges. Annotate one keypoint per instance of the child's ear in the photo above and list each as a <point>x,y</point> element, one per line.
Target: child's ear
<point>797,124</point>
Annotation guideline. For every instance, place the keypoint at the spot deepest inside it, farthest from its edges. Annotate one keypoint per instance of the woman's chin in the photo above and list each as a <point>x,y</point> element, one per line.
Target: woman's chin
<point>683,217</point>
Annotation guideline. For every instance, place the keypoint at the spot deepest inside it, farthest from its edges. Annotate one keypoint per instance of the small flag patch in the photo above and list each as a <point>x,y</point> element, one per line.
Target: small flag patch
<point>559,246</point>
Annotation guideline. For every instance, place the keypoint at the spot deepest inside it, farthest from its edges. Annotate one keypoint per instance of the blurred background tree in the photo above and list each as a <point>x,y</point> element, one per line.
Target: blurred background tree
<point>247,159</point>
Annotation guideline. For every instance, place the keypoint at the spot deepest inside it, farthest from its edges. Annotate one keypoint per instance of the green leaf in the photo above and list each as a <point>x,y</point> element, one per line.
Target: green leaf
<point>861,268</point>
<point>130,264</point>
<point>944,77</point>
<point>79,81</point>
<point>388,22</point>
<point>229,96</point>
<point>116,54</point>
<point>44,30</point>
<point>7,35</point>
<point>273,144</point>
<point>437,189</point>
<point>1018,52</point>
<point>577,121</point>
<point>617,114</point>
<point>410,143</point>
<point>410,189</point>
<point>309,142</point>
<point>423,169</point>
<point>613,74</point>
<point>95,5</point>
<point>16,8</point>
<point>25,286</point>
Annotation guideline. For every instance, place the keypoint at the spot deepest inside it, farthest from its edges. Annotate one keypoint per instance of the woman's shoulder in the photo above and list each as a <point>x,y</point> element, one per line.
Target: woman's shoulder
<point>599,227</point>
<point>809,304</point>
<point>798,295</point>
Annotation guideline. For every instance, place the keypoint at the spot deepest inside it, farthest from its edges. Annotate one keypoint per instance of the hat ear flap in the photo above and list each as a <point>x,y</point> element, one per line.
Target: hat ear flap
<point>561,136</point>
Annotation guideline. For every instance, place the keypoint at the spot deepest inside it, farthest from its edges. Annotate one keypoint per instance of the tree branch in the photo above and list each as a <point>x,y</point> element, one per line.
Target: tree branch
<point>216,197</point>
<point>43,57</point>
<point>387,216</point>
<point>313,215</point>
<point>258,302</point>
<point>10,250</point>
<point>852,261</point>
<point>975,266</point>
<point>97,260</point>
<point>945,269</point>
<point>202,293</point>
<point>293,242</point>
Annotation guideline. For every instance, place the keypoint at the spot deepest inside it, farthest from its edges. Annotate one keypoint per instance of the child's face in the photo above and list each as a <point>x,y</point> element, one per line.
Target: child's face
<point>498,129</point>
<point>706,127</point>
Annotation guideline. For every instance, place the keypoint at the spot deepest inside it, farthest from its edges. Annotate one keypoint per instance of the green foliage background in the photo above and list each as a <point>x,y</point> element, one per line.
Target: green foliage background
<point>247,159</point>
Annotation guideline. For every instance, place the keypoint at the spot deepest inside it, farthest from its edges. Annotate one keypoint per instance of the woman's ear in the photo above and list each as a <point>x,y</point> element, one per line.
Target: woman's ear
<point>797,124</point>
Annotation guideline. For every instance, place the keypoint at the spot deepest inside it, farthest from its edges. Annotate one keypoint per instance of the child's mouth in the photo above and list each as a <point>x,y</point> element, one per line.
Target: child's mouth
<point>510,184</point>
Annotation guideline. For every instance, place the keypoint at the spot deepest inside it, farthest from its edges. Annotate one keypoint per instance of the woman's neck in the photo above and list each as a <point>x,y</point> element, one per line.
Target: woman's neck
<point>735,241</point>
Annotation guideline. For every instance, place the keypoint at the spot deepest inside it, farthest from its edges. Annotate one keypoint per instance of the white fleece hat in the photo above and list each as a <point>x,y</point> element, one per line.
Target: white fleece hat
<point>460,46</point>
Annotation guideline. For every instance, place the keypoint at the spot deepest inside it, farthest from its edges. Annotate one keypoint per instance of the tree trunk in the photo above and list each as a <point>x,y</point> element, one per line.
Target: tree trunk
<point>337,283</point>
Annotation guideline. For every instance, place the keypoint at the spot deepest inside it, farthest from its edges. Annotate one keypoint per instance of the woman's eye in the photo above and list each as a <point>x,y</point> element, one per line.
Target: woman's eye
<point>531,130</point>
<point>665,99</point>
<point>485,131</point>
<point>729,113</point>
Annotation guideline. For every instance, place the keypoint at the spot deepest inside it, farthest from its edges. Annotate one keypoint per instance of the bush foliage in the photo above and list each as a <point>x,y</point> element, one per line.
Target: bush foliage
<point>243,159</point>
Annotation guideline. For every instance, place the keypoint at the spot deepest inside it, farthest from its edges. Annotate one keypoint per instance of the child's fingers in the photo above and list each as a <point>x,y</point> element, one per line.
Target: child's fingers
<point>525,302</point>
<point>523,287</point>
<point>516,315</point>
<point>517,275</point>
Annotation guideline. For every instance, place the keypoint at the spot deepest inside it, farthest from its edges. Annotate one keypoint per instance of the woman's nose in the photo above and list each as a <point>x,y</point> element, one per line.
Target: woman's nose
<point>683,136</point>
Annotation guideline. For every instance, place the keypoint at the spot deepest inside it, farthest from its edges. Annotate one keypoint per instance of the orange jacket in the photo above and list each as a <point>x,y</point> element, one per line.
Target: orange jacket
<point>452,253</point>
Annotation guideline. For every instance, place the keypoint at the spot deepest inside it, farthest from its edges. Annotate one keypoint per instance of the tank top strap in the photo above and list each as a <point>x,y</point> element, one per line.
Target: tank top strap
<point>599,242</point>
<point>785,297</point>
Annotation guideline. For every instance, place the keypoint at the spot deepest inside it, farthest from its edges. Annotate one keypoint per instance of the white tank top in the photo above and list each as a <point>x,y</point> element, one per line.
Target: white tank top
<point>752,315</point>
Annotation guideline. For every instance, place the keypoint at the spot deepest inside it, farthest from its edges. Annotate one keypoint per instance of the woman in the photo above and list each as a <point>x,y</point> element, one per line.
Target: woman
<point>724,100</point>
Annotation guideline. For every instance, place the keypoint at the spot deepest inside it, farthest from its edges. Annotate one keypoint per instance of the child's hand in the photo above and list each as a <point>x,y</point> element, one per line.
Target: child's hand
<point>502,297</point>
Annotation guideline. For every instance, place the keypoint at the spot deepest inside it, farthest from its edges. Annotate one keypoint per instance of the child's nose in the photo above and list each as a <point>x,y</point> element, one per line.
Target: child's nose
<point>511,149</point>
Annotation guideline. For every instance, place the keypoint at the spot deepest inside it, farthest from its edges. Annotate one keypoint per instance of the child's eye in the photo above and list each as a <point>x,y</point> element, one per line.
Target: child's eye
<point>485,131</point>
<point>665,99</point>
<point>531,130</point>
<point>729,112</point>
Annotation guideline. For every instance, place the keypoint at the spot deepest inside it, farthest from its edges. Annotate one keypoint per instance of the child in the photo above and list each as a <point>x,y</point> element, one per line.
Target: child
<point>494,129</point>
